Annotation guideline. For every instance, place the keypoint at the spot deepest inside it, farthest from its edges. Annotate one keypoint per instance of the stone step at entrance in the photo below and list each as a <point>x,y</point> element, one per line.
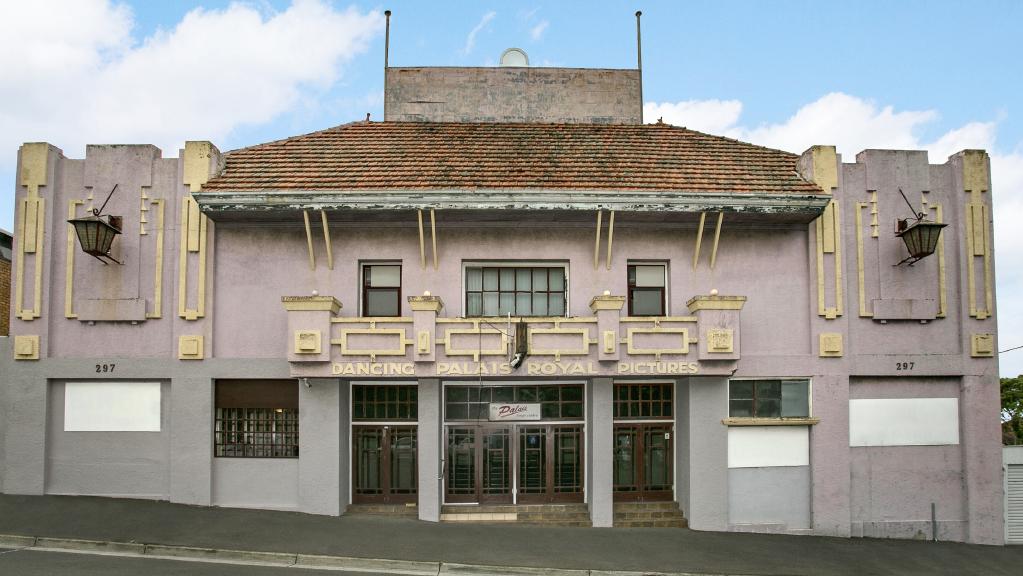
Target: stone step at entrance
<point>392,510</point>
<point>547,514</point>
<point>648,515</point>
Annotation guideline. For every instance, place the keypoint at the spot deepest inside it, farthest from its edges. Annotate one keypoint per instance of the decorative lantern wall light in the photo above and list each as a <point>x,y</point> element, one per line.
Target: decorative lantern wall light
<point>921,236</point>
<point>96,233</point>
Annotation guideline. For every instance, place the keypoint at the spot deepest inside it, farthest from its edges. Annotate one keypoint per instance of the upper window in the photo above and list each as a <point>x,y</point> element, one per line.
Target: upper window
<point>641,400</point>
<point>646,289</point>
<point>381,289</point>
<point>385,402</point>
<point>769,399</point>
<point>256,419</point>
<point>515,290</point>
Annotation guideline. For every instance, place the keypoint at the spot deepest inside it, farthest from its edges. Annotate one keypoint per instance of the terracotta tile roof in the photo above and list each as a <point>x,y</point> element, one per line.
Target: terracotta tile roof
<point>419,155</point>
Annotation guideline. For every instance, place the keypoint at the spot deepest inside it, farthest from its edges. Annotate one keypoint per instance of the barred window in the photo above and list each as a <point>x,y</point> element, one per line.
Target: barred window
<point>515,290</point>
<point>385,402</point>
<point>256,419</point>
<point>642,401</point>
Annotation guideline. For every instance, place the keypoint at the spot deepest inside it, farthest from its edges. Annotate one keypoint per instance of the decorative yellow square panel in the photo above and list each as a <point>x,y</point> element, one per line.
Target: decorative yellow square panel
<point>982,346</point>
<point>307,341</point>
<point>610,341</point>
<point>830,345</point>
<point>423,342</point>
<point>720,340</point>
<point>26,347</point>
<point>190,348</point>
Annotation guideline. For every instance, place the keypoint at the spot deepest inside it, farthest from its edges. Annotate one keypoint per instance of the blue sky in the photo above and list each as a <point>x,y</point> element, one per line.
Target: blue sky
<point>932,75</point>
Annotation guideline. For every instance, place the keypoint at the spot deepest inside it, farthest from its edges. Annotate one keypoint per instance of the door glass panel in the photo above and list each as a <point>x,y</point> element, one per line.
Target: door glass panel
<point>369,450</point>
<point>657,458</point>
<point>532,460</point>
<point>625,460</point>
<point>461,478</point>
<point>568,460</point>
<point>403,461</point>
<point>496,460</point>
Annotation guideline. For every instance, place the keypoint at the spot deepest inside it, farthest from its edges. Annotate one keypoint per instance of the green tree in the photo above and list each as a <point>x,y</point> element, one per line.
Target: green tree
<point>1012,407</point>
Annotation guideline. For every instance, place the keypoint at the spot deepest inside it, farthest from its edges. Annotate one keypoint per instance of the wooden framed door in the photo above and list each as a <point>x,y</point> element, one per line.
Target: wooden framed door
<point>643,462</point>
<point>384,464</point>
<point>550,463</point>
<point>479,464</point>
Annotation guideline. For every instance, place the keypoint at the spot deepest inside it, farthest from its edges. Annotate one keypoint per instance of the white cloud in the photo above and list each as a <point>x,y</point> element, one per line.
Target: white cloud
<point>470,40</point>
<point>854,124</point>
<point>74,74</point>
<point>536,32</point>
<point>713,116</point>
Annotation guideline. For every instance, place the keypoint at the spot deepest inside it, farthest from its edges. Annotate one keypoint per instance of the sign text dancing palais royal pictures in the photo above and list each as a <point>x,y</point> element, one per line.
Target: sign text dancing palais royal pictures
<point>581,368</point>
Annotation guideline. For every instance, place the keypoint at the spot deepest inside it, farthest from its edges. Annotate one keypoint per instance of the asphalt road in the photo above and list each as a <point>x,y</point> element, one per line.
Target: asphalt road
<point>35,563</point>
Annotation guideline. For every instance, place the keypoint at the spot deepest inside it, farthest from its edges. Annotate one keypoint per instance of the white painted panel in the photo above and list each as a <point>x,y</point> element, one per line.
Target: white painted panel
<point>766,446</point>
<point>904,422</point>
<point>112,407</point>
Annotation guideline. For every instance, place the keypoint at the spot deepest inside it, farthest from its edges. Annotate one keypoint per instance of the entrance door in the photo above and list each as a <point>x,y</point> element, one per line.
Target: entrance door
<point>479,464</point>
<point>384,467</point>
<point>643,464</point>
<point>544,463</point>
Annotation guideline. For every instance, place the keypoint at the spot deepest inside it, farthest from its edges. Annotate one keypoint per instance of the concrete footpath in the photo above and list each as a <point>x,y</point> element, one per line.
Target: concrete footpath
<point>405,546</point>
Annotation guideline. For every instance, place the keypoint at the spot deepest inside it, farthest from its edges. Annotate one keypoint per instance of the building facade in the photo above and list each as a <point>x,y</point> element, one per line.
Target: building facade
<point>512,292</point>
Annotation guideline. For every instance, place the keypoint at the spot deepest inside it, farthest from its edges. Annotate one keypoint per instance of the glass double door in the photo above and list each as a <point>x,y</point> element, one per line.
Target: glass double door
<point>384,468</point>
<point>643,462</point>
<point>522,463</point>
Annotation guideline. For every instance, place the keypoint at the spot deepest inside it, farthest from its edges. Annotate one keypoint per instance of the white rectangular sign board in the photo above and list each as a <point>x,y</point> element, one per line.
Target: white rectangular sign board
<point>112,407</point>
<point>904,422</point>
<point>501,412</point>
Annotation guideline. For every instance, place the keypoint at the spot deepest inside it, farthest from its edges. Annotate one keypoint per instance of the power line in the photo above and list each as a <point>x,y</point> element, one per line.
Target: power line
<point>1010,349</point>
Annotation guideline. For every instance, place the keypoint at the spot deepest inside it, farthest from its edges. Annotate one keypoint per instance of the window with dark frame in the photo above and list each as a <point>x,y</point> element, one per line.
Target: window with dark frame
<point>643,401</point>
<point>381,289</point>
<point>385,402</point>
<point>255,419</point>
<point>515,290</point>
<point>557,402</point>
<point>769,399</point>
<point>646,289</point>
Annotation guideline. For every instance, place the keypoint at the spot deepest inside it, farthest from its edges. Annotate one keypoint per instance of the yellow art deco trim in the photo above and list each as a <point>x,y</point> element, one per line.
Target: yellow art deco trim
<point>326,240</point>
<point>971,281</point>
<point>69,262</point>
<point>657,352</point>
<point>828,221</point>
<point>373,353</point>
<point>859,261</point>
<point>717,237</point>
<point>699,239</point>
<point>158,271</point>
<point>422,240</point>
<point>433,236</point>
<point>989,297</point>
<point>610,236</point>
<point>839,291</point>
<point>372,320</point>
<point>657,319</point>
<point>596,245</point>
<point>875,227</point>
<point>583,333</point>
<point>26,347</point>
<point>530,319</point>
<point>770,421</point>
<point>309,240</point>
<point>474,352</point>
<point>186,226</point>
<point>196,169</point>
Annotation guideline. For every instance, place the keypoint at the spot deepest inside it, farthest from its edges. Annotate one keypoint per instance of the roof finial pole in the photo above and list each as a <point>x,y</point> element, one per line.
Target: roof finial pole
<point>387,36</point>
<point>639,63</point>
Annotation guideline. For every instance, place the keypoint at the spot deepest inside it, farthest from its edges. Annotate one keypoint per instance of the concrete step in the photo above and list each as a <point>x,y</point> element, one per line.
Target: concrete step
<point>546,514</point>
<point>397,510</point>
<point>648,515</point>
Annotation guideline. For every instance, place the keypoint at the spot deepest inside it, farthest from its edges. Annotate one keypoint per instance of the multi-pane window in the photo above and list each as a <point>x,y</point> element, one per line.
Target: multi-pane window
<point>769,399</point>
<point>646,289</point>
<point>557,402</point>
<point>256,419</point>
<point>381,289</point>
<point>385,402</point>
<point>515,290</point>
<point>641,401</point>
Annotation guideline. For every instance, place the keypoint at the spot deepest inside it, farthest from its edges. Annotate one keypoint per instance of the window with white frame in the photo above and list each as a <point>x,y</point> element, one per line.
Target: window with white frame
<point>519,290</point>
<point>381,289</point>
<point>647,289</point>
<point>769,398</point>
